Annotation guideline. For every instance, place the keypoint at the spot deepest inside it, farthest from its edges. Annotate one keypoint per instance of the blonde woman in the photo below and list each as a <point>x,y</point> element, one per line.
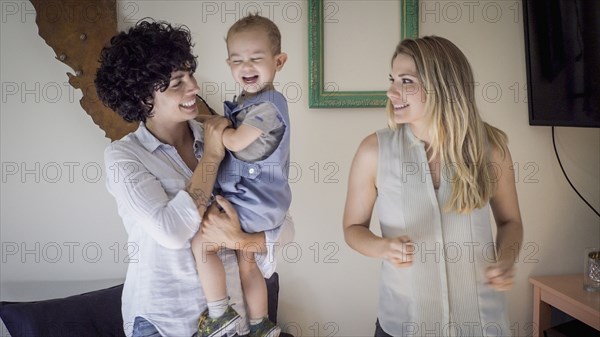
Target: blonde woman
<point>433,176</point>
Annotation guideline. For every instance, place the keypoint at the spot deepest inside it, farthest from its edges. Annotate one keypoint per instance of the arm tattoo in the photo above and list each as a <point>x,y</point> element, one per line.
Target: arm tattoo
<point>200,197</point>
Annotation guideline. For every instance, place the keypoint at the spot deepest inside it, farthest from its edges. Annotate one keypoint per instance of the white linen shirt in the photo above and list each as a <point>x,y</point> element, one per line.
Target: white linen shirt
<point>148,179</point>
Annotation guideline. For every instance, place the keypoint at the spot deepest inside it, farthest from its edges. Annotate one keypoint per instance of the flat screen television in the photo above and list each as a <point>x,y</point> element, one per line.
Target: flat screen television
<point>562,45</point>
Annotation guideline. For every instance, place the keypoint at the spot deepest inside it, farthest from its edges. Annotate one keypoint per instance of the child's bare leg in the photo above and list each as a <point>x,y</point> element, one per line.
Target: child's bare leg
<point>220,319</point>
<point>253,285</point>
<point>210,269</point>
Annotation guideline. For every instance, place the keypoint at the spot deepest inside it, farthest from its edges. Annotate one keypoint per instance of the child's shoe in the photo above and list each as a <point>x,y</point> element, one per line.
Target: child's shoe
<point>221,326</point>
<point>265,328</point>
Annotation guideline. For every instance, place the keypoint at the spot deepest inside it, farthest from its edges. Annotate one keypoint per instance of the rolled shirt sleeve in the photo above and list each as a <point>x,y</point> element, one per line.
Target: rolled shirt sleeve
<point>159,204</point>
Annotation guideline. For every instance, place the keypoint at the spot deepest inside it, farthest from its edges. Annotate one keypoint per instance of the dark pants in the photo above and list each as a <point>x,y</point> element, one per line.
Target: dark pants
<point>379,331</point>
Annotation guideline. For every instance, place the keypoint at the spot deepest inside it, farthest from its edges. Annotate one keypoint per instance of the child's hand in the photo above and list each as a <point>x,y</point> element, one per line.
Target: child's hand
<point>500,277</point>
<point>399,251</point>
<point>213,134</point>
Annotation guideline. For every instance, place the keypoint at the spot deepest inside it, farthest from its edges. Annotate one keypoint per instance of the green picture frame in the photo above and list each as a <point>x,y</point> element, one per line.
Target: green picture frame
<point>318,96</point>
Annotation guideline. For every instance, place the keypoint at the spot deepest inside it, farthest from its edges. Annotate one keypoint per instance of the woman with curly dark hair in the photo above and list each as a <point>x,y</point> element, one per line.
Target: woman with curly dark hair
<point>162,177</point>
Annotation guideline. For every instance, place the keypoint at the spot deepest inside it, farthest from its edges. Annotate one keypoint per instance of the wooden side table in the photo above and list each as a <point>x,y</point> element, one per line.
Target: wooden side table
<point>565,293</point>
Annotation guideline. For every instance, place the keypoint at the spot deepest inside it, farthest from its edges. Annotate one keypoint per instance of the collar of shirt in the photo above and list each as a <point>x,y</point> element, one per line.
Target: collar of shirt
<point>151,143</point>
<point>252,97</point>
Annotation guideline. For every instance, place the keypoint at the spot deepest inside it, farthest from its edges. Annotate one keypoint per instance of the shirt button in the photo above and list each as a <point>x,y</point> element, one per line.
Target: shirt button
<point>251,170</point>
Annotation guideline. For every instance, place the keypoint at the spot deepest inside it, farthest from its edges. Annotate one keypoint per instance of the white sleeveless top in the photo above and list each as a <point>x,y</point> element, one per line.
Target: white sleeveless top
<point>444,292</point>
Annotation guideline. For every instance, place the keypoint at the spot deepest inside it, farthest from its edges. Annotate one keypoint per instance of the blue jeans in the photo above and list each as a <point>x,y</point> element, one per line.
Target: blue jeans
<point>379,331</point>
<point>143,328</point>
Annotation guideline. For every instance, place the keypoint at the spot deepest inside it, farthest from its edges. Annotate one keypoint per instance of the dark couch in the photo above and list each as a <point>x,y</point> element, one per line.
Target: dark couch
<point>96,313</point>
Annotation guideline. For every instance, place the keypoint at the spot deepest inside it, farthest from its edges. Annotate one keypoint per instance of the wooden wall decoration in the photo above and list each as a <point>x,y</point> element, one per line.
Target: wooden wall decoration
<point>77,31</point>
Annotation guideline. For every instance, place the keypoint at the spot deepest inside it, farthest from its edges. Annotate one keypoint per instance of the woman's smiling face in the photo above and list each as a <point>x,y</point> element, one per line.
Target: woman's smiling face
<point>406,93</point>
<point>178,102</point>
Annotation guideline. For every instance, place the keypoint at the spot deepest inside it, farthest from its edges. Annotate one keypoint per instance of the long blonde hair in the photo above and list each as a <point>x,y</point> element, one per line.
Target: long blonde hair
<point>457,132</point>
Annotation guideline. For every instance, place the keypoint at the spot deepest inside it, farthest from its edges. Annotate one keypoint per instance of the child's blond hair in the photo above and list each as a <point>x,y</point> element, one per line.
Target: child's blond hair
<point>257,22</point>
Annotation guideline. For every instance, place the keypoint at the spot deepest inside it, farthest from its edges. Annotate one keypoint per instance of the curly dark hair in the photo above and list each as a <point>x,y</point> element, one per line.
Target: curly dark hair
<point>140,61</point>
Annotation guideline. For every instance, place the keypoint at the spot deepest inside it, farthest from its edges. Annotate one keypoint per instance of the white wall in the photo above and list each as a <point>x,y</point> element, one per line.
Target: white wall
<point>66,228</point>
